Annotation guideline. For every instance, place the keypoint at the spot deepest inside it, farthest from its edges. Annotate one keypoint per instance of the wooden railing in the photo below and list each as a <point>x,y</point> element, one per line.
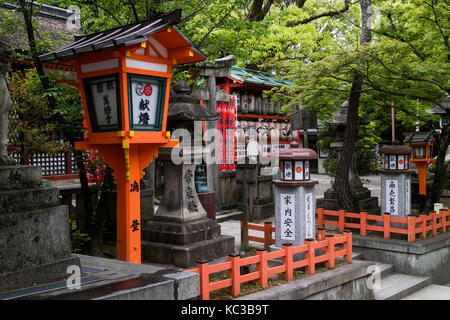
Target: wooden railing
<point>267,229</point>
<point>233,266</point>
<point>410,227</point>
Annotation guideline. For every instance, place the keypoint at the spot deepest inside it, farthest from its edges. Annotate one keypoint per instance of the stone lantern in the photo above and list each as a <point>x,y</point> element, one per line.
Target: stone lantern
<point>366,202</point>
<point>294,197</point>
<point>396,182</point>
<point>180,231</point>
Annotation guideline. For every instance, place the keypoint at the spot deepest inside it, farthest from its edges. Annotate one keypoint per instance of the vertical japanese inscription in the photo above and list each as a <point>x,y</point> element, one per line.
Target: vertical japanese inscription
<point>309,218</point>
<point>392,197</point>
<point>103,93</point>
<point>408,196</point>
<point>288,170</point>
<point>287,220</point>
<point>145,102</point>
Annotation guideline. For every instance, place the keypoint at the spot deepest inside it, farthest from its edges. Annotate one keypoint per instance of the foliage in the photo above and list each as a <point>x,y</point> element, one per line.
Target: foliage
<point>367,159</point>
<point>79,241</point>
<point>31,122</point>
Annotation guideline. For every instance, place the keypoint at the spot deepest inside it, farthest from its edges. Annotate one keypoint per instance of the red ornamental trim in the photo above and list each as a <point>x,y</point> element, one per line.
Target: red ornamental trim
<point>148,90</point>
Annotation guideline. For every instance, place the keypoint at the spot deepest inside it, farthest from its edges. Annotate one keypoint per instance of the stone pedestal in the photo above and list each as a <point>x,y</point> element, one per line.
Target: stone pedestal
<point>34,230</point>
<point>294,212</point>
<point>179,232</point>
<point>396,196</point>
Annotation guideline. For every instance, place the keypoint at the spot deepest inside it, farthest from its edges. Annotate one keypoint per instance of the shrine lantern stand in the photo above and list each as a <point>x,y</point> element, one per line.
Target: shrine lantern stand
<point>422,156</point>
<point>124,78</point>
<point>396,182</point>
<point>294,198</point>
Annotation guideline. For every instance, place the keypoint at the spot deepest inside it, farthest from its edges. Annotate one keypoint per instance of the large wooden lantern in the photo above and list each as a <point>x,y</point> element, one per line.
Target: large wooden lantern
<point>124,78</point>
<point>422,155</point>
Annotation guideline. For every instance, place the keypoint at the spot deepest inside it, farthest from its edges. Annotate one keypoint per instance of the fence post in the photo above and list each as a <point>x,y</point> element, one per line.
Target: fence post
<point>387,225</point>
<point>267,234</point>
<point>434,222</point>
<point>362,222</point>
<point>288,261</point>
<point>411,228</point>
<point>320,234</point>
<point>348,246</point>
<point>203,268</point>
<point>444,220</point>
<point>235,273</point>
<point>310,256</point>
<point>330,250</point>
<point>262,267</point>
<point>341,214</point>
<point>424,225</point>
<point>320,217</point>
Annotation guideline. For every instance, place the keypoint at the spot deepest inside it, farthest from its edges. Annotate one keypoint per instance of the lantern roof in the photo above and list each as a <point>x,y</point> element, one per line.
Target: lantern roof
<point>419,137</point>
<point>128,35</point>
<point>295,153</point>
<point>441,109</point>
<point>340,118</point>
<point>396,149</point>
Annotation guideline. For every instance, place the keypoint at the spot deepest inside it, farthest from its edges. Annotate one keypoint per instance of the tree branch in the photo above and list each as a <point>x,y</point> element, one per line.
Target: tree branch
<point>330,13</point>
<point>216,25</point>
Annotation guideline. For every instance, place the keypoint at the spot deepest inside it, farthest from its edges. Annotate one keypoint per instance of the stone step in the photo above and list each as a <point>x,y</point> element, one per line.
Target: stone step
<point>396,286</point>
<point>431,292</point>
<point>228,215</point>
<point>355,256</point>
<point>27,199</point>
<point>20,177</point>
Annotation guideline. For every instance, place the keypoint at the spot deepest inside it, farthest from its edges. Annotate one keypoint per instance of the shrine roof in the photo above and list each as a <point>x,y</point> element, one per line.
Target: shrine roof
<point>124,36</point>
<point>50,25</point>
<point>256,77</point>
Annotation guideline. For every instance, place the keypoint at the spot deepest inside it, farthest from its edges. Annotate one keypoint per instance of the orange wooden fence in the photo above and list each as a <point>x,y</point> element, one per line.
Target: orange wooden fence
<point>268,231</point>
<point>432,222</point>
<point>329,253</point>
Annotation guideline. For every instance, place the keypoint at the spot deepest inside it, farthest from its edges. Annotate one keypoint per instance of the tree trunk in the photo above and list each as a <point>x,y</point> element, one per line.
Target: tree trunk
<point>440,175</point>
<point>101,214</point>
<point>344,195</point>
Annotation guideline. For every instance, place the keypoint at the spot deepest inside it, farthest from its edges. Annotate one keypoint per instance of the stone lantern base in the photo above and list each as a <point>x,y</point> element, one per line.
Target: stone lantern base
<point>182,244</point>
<point>179,233</point>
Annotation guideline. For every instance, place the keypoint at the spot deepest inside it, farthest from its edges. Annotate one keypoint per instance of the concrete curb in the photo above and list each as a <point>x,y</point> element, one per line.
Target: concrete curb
<point>346,283</point>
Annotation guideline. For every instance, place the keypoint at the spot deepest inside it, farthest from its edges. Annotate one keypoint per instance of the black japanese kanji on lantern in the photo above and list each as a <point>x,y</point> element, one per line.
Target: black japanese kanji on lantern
<point>146,102</point>
<point>103,102</point>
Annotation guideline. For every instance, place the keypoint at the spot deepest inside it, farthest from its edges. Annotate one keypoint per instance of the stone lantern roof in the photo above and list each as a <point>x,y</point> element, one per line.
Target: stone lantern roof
<point>340,118</point>
<point>183,107</point>
<point>443,109</point>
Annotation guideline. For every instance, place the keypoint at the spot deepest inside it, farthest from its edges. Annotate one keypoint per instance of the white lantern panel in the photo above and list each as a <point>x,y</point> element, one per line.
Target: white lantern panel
<point>299,170</point>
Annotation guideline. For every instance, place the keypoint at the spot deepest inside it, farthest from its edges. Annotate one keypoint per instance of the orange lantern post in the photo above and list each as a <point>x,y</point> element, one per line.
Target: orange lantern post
<point>124,77</point>
<point>422,156</point>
